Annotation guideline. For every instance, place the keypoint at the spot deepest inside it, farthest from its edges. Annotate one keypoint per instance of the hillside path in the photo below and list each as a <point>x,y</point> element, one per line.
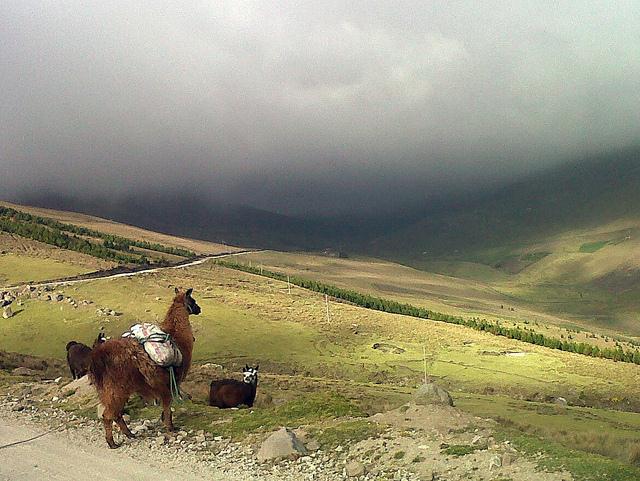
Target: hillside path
<point>132,273</point>
<point>56,457</point>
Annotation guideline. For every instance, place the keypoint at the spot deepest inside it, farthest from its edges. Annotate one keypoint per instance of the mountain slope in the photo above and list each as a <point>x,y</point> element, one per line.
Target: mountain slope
<point>567,240</point>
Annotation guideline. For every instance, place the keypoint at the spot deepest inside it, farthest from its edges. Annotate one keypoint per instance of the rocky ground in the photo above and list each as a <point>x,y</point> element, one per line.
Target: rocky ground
<point>414,442</point>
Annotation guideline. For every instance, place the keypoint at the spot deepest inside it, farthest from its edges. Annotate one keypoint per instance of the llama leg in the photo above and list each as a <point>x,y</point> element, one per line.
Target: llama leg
<point>166,412</point>
<point>113,407</point>
<point>124,428</point>
<point>108,432</point>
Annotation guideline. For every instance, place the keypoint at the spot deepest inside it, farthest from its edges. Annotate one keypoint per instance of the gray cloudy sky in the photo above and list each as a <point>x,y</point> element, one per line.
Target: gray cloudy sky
<point>328,105</point>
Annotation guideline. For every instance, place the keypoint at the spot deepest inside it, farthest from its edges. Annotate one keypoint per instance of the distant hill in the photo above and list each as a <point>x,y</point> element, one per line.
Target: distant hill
<point>567,240</point>
<point>584,194</point>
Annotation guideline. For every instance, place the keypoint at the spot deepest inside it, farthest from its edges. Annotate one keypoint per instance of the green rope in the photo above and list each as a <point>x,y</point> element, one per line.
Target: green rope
<point>175,389</point>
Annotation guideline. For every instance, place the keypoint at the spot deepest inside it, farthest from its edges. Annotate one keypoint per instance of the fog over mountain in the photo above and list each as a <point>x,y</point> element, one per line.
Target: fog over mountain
<point>308,108</point>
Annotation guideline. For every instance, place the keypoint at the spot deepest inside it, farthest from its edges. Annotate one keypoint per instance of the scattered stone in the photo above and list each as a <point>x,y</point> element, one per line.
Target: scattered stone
<point>495,462</point>
<point>281,444</point>
<point>560,401</point>
<point>388,348</point>
<point>431,393</point>
<point>25,371</point>
<point>354,468</point>
<point>58,297</point>
<point>508,459</point>
<point>312,445</point>
<point>7,312</point>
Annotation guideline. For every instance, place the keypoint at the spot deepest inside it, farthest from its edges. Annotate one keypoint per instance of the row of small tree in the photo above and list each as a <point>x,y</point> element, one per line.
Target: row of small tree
<point>60,239</point>
<point>395,307</point>
<point>109,241</point>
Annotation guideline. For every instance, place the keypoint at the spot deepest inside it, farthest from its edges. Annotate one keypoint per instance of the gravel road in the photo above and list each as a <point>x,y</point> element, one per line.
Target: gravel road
<point>60,456</point>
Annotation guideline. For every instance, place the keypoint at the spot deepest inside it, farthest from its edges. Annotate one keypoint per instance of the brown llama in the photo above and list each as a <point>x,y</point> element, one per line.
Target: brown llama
<point>121,367</point>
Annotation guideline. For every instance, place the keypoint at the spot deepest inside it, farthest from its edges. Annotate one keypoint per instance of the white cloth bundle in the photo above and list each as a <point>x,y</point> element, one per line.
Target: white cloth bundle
<point>158,344</point>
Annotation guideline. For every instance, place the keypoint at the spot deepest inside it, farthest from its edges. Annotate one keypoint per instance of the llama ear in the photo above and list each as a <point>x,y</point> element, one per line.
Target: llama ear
<point>177,290</point>
<point>257,366</point>
<point>189,291</point>
<point>246,367</point>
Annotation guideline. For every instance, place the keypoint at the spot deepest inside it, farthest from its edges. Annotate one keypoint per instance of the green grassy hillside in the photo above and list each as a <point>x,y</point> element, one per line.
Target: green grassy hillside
<point>373,360</point>
<point>566,242</point>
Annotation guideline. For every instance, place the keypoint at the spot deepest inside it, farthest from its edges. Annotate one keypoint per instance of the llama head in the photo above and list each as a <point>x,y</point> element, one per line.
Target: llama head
<point>100,339</point>
<point>189,302</point>
<point>250,374</point>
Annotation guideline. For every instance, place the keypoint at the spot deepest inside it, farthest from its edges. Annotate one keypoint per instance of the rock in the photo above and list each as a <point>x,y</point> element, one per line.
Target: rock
<point>79,390</point>
<point>281,444</point>
<point>560,401</point>
<point>58,297</point>
<point>495,462</point>
<point>354,468</point>
<point>211,365</point>
<point>431,393</point>
<point>476,439</point>
<point>312,445</point>
<point>388,348</point>
<point>508,459</point>
<point>7,312</point>
<point>25,371</point>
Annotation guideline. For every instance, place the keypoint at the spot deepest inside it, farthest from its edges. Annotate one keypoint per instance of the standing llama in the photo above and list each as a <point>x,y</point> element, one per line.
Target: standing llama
<point>229,393</point>
<point>121,367</point>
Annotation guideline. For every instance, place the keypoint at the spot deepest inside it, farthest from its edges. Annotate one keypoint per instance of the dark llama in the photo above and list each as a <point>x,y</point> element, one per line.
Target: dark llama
<point>230,393</point>
<point>79,356</point>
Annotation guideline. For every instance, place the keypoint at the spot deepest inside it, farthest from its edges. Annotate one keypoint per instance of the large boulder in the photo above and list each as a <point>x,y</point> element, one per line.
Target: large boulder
<point>281,444</point>
<point>431,393</point>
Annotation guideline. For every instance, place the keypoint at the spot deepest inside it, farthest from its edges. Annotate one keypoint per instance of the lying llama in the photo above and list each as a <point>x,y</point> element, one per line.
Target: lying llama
<point>79,356</point>
<point>121,367</point>
<point>229,393</point>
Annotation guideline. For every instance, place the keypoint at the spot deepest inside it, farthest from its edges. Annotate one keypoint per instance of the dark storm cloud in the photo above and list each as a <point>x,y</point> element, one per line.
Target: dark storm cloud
<point>309,105</point>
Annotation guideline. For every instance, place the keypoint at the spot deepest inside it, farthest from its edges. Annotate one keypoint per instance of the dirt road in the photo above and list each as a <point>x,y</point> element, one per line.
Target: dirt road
<point>136,272</point>
<point>61,456</point>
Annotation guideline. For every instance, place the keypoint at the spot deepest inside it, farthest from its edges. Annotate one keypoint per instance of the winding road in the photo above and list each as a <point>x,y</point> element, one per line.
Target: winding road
<point>107,275</point>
